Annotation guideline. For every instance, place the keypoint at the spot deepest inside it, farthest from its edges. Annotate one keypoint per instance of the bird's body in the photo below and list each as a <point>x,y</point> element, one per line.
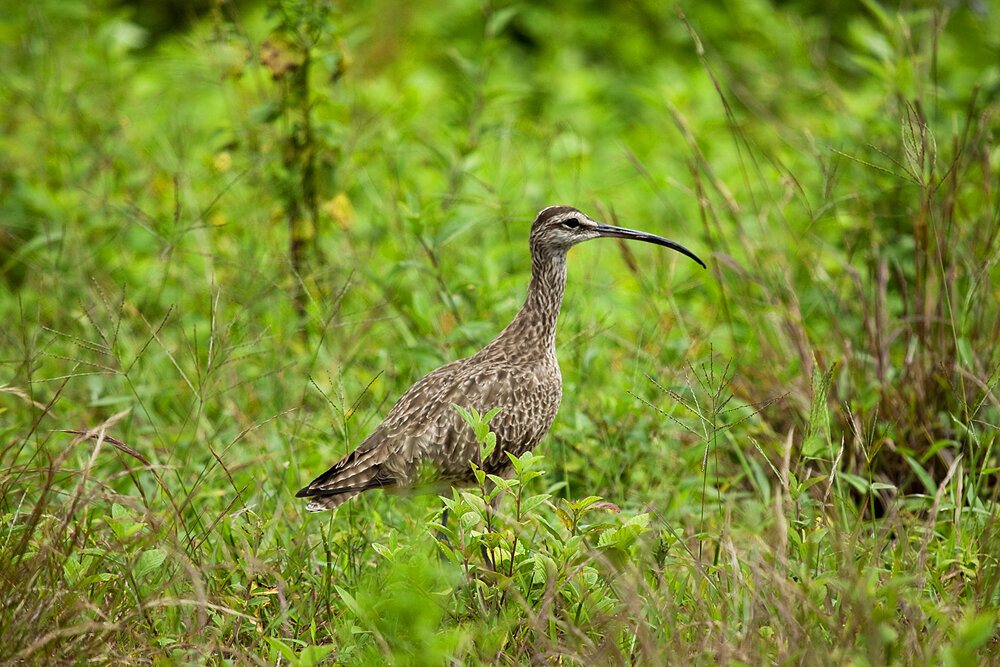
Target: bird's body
<point>424,439</point>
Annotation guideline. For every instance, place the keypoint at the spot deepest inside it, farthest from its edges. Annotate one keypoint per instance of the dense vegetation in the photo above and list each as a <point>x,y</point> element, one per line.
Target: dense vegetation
<point>229,245</point>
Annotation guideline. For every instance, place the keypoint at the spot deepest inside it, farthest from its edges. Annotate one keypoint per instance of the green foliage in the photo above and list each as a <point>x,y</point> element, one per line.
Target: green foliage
<point>548,570</point>
<point>225,251</point>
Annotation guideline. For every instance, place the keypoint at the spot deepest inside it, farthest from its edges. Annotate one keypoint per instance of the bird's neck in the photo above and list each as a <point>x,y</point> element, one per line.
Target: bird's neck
<point>533,329</point>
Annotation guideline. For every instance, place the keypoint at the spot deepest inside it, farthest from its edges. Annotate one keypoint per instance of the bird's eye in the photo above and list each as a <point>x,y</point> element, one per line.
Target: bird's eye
<point>571,223</point>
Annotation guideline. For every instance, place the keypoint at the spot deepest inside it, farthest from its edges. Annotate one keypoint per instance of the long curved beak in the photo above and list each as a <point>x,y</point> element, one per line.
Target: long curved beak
<point>610,231</point>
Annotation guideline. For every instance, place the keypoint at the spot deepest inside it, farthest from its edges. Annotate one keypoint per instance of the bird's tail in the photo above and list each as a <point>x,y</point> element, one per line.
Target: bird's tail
<point>331,502</point>
<point>358,471</point>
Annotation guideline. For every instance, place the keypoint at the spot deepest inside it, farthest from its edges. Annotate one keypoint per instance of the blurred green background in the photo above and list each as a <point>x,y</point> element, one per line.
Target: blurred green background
<point>234,233</point>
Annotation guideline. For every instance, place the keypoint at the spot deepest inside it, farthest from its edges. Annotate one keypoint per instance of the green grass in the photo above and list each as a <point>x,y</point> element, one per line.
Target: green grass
<point>231,247</point>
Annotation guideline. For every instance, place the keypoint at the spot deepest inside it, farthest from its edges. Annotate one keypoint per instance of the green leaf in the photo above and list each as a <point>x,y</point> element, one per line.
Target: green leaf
<point>489,444</point>
<point>925,478</point>
<point>583,503</point>
<point>466,415</point>
<point>881,486</point>
<point>286,651</point>
<point>607,538</point>
<point>351,603</point>
<point>974,629</point>
<point>480,427</point>
<point>470,520</point>
<point>149,560</point>
<point>313,655</point>
<point>531,503</point>
<point>545,567</point>
<point>499,19</point>
<point>265,113</point>
<point>639,522</point>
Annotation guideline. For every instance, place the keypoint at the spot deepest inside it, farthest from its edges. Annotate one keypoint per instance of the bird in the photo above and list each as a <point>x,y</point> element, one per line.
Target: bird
<point>424,439</point>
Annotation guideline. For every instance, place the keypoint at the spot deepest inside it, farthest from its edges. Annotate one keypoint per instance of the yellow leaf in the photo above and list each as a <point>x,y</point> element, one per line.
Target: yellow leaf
<point>340,210</point>
<point>223,161</point>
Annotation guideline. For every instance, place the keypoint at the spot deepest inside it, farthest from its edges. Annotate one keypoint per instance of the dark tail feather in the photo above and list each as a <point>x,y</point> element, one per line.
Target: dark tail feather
<point>356,472</point>
<point>332,502</point>
<point>331,498</point>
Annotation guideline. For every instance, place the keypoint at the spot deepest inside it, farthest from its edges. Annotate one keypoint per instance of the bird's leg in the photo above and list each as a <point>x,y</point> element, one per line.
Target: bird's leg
<point>442,538</point>
<point>486,557</point>
<point>444,524</point>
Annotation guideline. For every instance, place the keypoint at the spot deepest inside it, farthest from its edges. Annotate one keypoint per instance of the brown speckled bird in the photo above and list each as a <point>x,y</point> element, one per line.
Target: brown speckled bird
<point>424,438</point>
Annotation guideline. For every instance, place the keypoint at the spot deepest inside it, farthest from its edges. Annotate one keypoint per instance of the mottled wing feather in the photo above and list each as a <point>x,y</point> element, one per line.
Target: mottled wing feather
<point>423,438</point>
<point>529,400</point>
<point>438,436</point>
<point>363,468</point>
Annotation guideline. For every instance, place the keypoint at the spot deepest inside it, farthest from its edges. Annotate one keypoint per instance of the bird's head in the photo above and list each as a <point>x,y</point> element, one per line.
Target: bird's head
<point>558,228</point>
